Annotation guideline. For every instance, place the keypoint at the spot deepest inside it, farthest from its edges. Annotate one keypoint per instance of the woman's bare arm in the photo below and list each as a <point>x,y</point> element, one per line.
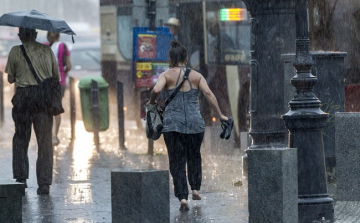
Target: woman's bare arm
<point>210,97</point>
<point>68,64</point>
<point>159,86</point>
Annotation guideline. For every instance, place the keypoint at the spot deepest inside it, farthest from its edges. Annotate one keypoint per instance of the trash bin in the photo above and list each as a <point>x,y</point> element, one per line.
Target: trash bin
<point>86,106</point>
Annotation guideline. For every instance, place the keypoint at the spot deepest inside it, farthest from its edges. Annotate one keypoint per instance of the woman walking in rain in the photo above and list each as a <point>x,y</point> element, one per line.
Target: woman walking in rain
<point>183,125</point>
<point>62,55</point>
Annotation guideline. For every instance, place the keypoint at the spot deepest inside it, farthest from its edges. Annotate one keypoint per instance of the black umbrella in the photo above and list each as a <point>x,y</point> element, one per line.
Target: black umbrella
<point>33,19</point>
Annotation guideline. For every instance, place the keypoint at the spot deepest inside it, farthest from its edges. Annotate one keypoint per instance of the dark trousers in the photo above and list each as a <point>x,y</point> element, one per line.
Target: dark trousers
<point>184,149</point>
<point>25,115</point>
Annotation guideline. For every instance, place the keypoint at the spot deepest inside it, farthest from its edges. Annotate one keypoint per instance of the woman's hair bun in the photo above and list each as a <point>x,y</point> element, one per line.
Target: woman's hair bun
<point>175,43</point>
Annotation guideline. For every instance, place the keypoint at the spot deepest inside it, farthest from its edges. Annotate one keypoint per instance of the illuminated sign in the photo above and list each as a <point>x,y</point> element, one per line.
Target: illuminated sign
<point>233,14</point>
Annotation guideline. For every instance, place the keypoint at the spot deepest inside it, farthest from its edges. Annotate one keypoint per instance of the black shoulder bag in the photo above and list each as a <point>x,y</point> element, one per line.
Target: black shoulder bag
<point>50,90</point>
<point>154,116</point>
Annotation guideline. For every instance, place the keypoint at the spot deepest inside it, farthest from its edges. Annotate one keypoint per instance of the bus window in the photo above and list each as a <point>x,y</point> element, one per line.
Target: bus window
<point>228,33</point>
<point>125,32</point>
<point>125,36</point>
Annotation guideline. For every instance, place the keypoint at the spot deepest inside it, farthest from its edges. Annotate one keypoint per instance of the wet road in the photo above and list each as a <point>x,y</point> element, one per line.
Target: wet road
<point>81,189</point>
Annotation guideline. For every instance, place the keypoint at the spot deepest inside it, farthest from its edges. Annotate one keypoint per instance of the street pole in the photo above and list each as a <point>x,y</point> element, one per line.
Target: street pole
<point>1,98</point>
<point>272,34</point>
<point>305,121</point>
<point>72,109</point>
<point>95,112</point>
<point>120,108</point>
<point>152,14</point>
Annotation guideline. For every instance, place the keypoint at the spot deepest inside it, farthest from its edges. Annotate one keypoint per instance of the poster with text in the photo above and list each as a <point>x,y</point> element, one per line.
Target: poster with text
<point>143,75</point>
<point>146,46</point>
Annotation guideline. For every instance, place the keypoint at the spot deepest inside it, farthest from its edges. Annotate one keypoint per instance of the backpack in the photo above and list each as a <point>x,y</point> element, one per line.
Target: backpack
<point>64,56</point>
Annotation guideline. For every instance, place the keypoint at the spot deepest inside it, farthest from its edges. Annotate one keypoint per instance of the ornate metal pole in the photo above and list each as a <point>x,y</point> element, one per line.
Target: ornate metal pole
<point>305,121</point>
<point>272,34</point>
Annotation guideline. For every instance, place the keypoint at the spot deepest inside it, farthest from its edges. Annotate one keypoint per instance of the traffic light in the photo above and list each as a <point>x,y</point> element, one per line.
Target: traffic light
<point>151,13</point>
<point>151,9</point>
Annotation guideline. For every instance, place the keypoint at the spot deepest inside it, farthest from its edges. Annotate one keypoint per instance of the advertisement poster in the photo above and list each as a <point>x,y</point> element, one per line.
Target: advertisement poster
<point>159,68</point>
<point>143,75</point>
<point>146,46</point>
<point>147,73</point>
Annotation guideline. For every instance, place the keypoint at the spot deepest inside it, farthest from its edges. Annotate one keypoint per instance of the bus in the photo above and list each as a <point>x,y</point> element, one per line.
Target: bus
<point>216,35</point>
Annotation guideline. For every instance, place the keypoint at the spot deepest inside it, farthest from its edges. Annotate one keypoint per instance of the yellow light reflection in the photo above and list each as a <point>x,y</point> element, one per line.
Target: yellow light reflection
<point>214,119</point>
<point>79,192</point>
<point>83,151</point>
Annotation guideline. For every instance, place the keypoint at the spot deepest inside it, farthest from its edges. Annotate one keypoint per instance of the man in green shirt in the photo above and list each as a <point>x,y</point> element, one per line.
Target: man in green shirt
<point>28,109</point>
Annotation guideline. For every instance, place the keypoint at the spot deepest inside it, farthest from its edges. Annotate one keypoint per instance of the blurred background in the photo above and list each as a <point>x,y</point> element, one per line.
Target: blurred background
<point>81,16</point>
<point>85,11</point>
<point>105,46</point>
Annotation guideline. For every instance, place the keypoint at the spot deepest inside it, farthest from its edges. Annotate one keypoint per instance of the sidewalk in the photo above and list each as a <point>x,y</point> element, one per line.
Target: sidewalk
<point>81,189</point>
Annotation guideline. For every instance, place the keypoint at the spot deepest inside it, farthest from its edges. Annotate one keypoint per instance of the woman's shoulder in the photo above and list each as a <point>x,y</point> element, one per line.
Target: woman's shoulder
<point>174,73</point>
<point>194,72</point>
<point>169,72</point>
<point>194,75</point>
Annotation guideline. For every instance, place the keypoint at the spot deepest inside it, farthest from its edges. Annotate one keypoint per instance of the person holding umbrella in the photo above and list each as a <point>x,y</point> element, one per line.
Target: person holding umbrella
<point>28,65</point>
<point>27,107</point>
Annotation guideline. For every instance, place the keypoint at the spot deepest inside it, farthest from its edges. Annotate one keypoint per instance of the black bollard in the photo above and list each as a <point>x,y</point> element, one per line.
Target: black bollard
<point>95,111</point>
<point>1,99</point>
<point>120,107</point>
<point>150,147</point>
<point>72,108</point>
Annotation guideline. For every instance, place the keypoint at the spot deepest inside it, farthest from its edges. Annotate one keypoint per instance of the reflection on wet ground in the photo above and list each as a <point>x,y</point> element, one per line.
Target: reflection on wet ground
<point>81,189</point>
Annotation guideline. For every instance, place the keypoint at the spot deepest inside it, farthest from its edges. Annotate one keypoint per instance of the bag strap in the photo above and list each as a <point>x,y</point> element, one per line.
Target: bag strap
<point>64,56</point>
<point>30,65</point>
<point>149,122</point>
<point>177,89</point>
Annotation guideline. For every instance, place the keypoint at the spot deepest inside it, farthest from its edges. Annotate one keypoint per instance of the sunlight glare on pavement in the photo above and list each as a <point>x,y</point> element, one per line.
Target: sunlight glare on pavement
<point>82,153</point>
<point>80,192</point>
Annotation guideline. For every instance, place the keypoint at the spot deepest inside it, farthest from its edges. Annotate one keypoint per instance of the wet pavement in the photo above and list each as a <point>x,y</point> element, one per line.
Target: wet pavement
<point>81,189</point>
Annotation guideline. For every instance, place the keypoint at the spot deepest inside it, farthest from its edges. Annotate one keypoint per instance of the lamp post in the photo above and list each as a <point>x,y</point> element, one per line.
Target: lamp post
<point>305,121</point>
<point>272,34</point>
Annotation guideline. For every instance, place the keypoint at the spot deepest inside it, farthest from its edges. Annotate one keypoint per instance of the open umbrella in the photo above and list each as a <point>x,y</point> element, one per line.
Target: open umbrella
<point>33,19</point>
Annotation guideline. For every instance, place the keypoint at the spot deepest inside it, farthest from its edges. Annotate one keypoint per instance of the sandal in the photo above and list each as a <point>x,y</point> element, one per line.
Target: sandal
<point>224,126</point>
<point>229,128</point>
